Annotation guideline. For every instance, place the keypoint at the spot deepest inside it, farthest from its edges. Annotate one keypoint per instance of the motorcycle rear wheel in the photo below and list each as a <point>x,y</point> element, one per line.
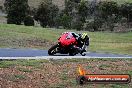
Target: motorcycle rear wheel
<point>71,54</point>
<point>52,50</point>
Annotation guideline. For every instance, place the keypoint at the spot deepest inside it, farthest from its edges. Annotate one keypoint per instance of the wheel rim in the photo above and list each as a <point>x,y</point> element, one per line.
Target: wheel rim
<point>54,51</point>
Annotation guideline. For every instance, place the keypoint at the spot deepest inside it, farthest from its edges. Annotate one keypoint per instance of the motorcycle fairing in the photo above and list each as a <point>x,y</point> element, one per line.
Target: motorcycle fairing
<point>67,39</point>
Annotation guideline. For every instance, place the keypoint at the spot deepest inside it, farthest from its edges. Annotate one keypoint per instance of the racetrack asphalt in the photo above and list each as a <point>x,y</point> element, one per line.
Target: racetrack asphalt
<point>8,52</point>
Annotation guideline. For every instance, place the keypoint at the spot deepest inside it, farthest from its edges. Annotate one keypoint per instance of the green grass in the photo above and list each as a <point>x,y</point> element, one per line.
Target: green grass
<point>119,86</point>
<point>24,70</point>
<point>33,63</point>
<point>130,73</point>
<point>19,36</point>
<point>104,66</point>
<point>20,77</point>
<point>16,77</point>
<point>6,64</point>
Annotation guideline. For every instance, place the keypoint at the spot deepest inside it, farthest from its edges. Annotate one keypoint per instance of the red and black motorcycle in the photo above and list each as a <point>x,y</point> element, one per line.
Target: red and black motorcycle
<point>66,45</point>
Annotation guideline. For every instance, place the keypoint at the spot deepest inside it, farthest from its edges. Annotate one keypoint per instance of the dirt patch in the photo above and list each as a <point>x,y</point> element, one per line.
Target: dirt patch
<point>27,43</point>
<point>60,74</point>
<point>39,43</point>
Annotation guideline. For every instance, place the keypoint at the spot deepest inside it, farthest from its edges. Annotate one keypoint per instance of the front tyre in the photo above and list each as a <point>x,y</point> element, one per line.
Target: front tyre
<point>53,49</point>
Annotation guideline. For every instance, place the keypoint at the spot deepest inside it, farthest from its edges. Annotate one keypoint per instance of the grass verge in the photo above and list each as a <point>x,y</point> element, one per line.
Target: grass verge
<point>19,36</point>
<point>61,73</point>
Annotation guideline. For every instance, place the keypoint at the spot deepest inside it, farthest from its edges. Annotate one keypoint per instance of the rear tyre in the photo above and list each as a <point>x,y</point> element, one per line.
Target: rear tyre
<point>53,49</point>
<point>71,54</point>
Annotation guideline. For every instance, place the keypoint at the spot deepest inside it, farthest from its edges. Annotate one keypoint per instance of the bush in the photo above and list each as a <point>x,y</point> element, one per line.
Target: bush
<point>46,14</point>
<point>16,10</point>
<point>126,11</point>
<point>28,21</point>
<point>66,21</point>
<point>1,7</point>
<point>78,25</point>
<point>107,8</point>
<point>94,25</point>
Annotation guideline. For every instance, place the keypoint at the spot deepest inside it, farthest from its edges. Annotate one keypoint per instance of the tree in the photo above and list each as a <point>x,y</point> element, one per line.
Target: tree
<point>108,13</point>
<point>46,14</point>
<point>69,6</point>
<point>83,10</point>
<point>76,1</point>
<point>107,8</point>
<point>53,15</point>
<point>28,21</point>
<point>16,11</point>
<point>126,11</point>
<point>66,21</point>
<point>82,13</point>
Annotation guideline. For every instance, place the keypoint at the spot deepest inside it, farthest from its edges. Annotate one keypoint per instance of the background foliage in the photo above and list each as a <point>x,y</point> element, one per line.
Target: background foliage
<point>76,14</point>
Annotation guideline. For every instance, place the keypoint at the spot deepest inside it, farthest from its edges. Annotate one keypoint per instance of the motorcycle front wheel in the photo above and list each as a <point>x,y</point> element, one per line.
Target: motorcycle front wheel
<point>53,49</point>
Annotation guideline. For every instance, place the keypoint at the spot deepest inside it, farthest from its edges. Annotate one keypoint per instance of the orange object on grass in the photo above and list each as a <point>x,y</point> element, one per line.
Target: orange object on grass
<point>81,70</point>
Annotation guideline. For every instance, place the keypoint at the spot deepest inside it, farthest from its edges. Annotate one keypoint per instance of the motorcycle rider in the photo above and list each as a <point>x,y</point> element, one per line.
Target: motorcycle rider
<point>83,41</point>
